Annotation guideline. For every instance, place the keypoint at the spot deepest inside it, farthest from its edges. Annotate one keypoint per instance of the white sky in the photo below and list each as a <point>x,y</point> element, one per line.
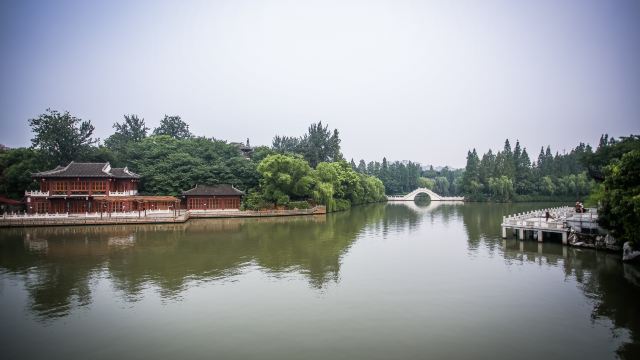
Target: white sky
<point>415,80</point>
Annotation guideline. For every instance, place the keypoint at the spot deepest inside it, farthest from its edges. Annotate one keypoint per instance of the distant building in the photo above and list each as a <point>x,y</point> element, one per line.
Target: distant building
<point>210,197</point>
<point>245,149</point>
<point>91,187</point>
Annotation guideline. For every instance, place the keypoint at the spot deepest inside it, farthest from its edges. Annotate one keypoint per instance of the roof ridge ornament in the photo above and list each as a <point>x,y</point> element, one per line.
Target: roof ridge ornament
<point>107,168</point>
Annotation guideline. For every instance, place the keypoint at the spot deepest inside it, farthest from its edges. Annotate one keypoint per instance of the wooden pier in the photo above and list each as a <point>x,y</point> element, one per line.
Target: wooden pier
<point>562,221</point>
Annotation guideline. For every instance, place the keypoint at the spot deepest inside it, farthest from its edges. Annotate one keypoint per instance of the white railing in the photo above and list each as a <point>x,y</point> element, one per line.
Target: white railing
<point>120,214</point>
<point>558,216</point>
<point>10,216</point>
<point>123,193</point>
<point>36,193</point>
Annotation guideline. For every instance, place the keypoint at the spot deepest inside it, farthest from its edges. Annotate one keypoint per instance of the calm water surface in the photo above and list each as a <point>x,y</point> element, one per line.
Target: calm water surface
<point>394,281</point>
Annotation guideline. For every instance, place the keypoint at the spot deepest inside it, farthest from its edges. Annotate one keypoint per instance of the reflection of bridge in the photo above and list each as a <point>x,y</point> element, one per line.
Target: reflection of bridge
<point>423,209</point>
<point>434,197</point>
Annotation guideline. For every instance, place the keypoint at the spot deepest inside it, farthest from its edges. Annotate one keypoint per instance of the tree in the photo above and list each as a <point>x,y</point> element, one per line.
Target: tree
<point>424,182</point>
<point>174,127</point>
<point>286,144</point>
<point>620,201</point>
<point>169,166</point>
<point>132,129</point>
<point>62,137</point>
<point>16,166</point>
<point>471,180</point>
<point>285,177</point>
<point>362,167</point>
<point>316,146</point>
<point>442,186</point>
<point>319,145</point>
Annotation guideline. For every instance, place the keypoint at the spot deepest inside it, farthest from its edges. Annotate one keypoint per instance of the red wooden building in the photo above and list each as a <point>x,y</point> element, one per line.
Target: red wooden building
<point>91,187</point>
<point>208,197</point>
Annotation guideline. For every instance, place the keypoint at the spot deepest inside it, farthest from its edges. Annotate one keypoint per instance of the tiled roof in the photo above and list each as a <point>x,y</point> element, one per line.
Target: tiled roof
<point>215,190</point>
<point>101,170</point>
<point>7,201</point>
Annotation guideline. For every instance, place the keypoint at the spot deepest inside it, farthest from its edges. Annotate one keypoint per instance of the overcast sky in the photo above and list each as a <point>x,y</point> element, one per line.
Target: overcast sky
<point>415,80</point>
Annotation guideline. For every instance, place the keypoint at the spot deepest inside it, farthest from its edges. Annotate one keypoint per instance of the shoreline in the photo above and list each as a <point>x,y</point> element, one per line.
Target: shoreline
<point>29,221</point>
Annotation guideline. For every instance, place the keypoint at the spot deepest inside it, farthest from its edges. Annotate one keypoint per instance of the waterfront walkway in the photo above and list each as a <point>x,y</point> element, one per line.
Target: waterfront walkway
<point>142,217</point>
<point>563,220</point>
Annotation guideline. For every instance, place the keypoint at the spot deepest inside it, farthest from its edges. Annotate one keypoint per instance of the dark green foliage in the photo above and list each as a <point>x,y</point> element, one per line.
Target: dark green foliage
<point>255,201</point>
<point>608,150</point>
<point>620,201</point>
<point>286,179</point>
<point>317,145</point>
<point>261,152</point>
<point>173,126</point>
<point>510,175</point>
<point>398,177</point>
<point>169,165</point>
<point>61,137</point>
<point>298,205</point>
<point>132,129</point>
<point>173,160</point>
<point>616,167</point>
<point>16,166</point>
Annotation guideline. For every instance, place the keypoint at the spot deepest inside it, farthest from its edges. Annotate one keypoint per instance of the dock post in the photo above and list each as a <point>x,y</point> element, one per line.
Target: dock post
<point>521,234</point>
<point>564,238</point>
<point>504,232</point>
<point>540,235</point>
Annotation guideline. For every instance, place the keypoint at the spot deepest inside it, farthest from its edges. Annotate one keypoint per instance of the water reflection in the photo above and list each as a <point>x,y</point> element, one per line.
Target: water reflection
<point>60,266</point>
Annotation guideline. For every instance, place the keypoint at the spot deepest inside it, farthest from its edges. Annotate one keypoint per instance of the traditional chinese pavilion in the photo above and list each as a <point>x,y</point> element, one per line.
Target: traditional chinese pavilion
<point>208,197</point>
<point>91,187</point>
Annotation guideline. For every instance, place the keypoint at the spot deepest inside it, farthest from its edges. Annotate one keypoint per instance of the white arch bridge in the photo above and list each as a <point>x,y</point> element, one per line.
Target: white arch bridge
<point>434,197</point>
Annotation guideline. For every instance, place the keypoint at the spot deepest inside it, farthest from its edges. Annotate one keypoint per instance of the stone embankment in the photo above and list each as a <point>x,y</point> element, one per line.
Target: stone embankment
<point>150,217</point>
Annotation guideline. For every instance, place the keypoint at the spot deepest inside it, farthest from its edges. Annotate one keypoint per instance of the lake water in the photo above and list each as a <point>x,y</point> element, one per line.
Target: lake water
<point>386,281</point>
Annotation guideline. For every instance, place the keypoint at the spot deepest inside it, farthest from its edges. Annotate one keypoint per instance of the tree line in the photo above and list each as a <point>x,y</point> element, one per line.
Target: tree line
<point>510,174</point>
<point>170,159</point>
<point>615,169</point>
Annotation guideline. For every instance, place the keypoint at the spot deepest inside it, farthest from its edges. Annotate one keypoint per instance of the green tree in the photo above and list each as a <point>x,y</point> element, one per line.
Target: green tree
<point>471,185</point>
<point>424,182</point>
<point>442,186</point>
<point>169,165</point>
<point>173,126</point>
<point>62,137</point>
<point>284,177</point>
<point>132,129</point>
<point>286,144</point>
<point>362,167</point>
<point>16,166</point>
<point>318,145</point>
<point>501,188</point>
<point>620,201</point>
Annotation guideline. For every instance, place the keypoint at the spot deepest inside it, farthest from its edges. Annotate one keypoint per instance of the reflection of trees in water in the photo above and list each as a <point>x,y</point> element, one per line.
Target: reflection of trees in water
<point>612,287</point>
<point>398,217</point>
<point>482,221</point>
<point>58,275</point>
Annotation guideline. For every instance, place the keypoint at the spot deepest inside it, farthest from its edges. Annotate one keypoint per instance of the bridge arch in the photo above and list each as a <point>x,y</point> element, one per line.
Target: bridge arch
<point>432,195</point>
